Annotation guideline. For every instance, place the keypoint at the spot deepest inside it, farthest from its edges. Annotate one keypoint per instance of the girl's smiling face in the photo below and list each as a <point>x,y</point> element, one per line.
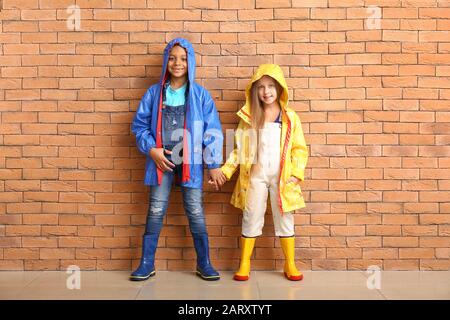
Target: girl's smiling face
<point>267,90</point>
<point>177,64</point>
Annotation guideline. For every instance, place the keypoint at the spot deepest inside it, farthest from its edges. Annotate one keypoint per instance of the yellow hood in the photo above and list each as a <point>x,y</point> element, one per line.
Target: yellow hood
<point>271,70</point>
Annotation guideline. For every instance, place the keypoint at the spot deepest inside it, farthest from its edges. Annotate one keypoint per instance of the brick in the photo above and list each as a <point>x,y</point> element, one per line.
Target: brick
<point>435,242</point>
<point>11,219</point>
<point>57,253</point>
<point>93,254</point>
<point>105,220</point>
<point>95,208</point>
<point>112,198</point>
<point>23,208</point>
<point>419,230</point>
<point>443,253</point>
<point>219,38</point>
<point>400,242</point>
<point>348,231</point>
<point>364,242</point>
<point>58,186</point>
<point>347,253</point>
<point>40,219</point>
<point>233,4</point>
<point>347,208</point>
<point>94,186</point>
<point>309,25</point>
<point>380,253</point>
<point>416,253</point>
<point>68,219</point>
<point>328,264</point>
<point>401,174</point>
<point>76,197</point>
<point>433,264</point>
<point>422,185</point>
<point>111,242</point>
<point>95,231</point>
<point>383,230</point>
<point>444,230</point>
<point>75,242</point>
<point>21,253</point>
<point>327,242</point>
<point>19,185</point>
<point>364,196</point>
<point>28,140</point>
<point>8,265</point>
<point>59,231</point>
<point>76,175</point>
<point>256,14</point>
<point>364,219</point>
<point>329,219</point>
<point>404,219</point>
<point>401,265</point>
<point>19,117</point>
<point>10,242</point>
<point>217,15</point>
<point>313,230</point>
<point>23,230</point>
<point>36,151</point>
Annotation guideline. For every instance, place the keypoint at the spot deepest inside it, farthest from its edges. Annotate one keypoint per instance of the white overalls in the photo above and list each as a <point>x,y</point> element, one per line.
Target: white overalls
<point>264,179</point>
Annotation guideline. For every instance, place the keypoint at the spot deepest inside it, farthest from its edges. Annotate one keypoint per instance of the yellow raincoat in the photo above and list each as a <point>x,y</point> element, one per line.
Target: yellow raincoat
<point>294,153</point>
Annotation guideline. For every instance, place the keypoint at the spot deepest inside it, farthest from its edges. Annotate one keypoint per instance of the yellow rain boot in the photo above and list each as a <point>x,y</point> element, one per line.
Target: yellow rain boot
<point>290,270</point>
<point>247,245</point>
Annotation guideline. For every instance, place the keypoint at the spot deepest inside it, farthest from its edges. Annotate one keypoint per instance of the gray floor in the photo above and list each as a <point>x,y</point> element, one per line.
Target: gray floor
<point>263,285</point>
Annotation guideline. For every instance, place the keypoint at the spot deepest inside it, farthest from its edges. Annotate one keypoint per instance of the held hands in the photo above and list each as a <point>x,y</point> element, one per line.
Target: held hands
<point>216,178</point>
<point>157,154</point>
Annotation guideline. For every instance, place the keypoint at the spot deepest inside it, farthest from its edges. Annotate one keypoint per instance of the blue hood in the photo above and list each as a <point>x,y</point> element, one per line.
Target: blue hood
<point>190,58</point>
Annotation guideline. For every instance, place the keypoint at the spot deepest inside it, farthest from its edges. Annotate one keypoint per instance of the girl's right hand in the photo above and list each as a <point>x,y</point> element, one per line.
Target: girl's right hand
<point>157,154</point>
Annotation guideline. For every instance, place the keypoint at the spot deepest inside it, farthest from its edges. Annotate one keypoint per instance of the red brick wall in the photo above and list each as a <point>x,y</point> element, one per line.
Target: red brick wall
<point>374,105</point>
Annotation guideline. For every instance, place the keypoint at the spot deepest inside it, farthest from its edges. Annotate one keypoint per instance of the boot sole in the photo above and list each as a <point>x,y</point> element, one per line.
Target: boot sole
<point>241,278</point>
<point>293,278</point>
<point>207,278</point>
<point>137,278</point>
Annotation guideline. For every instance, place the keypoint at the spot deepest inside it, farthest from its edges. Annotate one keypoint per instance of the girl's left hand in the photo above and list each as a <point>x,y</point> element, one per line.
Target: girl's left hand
<point>293,179</point>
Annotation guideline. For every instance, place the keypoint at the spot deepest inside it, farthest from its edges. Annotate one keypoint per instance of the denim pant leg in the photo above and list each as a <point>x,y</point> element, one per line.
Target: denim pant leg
<point>193,206</point>
<point>158,203</point>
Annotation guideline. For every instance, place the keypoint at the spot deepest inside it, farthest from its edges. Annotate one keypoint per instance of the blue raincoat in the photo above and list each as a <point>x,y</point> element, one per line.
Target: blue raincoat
<point>202,138</point>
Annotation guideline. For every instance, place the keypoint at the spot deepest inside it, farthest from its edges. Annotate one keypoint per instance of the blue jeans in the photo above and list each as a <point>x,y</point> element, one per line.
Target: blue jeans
<point>159,201</point>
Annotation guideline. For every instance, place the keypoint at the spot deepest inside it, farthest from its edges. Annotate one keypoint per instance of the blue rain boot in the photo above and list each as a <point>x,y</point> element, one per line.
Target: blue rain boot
<point>147,267</point>
<point>204,268</point>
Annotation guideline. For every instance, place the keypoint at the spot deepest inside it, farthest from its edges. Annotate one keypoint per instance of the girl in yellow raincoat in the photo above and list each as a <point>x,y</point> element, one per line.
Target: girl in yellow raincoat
<point>271,153</point>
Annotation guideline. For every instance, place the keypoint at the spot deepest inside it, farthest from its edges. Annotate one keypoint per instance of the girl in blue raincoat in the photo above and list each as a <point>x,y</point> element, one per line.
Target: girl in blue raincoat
<point>177,128</point>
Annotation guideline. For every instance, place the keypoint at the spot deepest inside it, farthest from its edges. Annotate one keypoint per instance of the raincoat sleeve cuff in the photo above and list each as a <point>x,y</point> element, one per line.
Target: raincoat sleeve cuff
<point>150,147</point>
<point>213,166</point>
<point>227,171</point>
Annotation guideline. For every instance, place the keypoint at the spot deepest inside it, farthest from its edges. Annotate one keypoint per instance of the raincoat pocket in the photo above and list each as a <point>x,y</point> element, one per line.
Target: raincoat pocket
<point>293,190</point>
